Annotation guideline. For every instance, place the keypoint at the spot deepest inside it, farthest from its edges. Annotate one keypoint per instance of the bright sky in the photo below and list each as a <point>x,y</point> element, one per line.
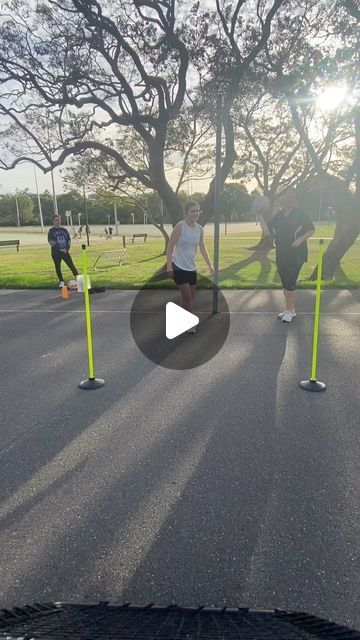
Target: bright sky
<point>22,177</point>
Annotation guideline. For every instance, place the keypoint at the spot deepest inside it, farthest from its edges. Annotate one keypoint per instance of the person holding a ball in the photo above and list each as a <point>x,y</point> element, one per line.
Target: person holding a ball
<point>291,227</point>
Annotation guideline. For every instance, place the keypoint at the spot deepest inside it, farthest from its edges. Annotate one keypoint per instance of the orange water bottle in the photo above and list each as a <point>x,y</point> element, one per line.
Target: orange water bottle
<point>64,293</point>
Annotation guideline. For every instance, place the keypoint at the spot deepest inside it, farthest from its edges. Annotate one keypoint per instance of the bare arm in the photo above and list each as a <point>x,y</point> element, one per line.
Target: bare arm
<point>265,229</point>
<point>204,253</point>
<point>302,238</point>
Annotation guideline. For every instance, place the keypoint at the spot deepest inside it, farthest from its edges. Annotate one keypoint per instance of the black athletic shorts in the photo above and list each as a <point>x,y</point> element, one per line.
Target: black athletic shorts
<point>289,266</point>
<point>183,277</point>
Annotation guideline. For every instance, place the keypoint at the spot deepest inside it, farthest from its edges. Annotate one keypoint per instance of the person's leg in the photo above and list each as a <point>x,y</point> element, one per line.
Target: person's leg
<point>68,260</point>
<point>186,296</point>
<point>290,285</point>
<point>288,280</point>
<point>290,300</point>
<point>57,262</point>
<point>192,283</point>
<point>289,274</point>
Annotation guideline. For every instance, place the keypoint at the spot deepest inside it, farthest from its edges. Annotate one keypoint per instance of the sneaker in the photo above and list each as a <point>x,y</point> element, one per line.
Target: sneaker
<point>61,285</point>
<point>293,313</point>
<point>192,330</point>
<point>287,316</point>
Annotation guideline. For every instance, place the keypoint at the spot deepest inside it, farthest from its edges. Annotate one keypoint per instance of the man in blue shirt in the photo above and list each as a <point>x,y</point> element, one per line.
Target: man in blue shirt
<point>59,240</point>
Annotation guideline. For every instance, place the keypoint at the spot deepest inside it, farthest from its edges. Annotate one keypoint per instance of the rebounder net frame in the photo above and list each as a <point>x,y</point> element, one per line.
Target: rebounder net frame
<point>113,257</point>
<point>92,621</point>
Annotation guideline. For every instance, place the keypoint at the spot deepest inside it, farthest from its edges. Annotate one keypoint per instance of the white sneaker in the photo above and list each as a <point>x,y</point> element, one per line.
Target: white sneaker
<point>293,313</point>
<point>287,316</point>
<point>61,285</point>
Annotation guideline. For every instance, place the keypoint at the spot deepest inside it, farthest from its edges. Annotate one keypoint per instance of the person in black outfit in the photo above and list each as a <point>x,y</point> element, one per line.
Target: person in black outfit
<point>59,240</point>
<point>291,228</point>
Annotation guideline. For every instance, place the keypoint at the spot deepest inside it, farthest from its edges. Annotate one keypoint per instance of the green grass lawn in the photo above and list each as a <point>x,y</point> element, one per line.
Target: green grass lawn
<point>32,266</point>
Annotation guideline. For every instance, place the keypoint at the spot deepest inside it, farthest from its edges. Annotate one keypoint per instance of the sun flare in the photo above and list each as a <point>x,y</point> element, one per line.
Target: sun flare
<point>331,97</point>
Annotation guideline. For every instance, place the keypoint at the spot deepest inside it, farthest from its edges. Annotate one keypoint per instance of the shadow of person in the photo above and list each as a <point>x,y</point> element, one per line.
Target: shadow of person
<point>257,256</point>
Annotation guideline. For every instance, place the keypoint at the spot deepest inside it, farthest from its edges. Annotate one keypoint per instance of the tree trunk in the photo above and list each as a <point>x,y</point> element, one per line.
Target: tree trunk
<point>160,184</point>
<point>166,238</point>
<point>347,229</point>
<point>227,164</point>
<point>344,237</point>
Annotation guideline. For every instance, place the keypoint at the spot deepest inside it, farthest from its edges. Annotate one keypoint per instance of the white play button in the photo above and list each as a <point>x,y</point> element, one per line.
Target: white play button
<point>178,320</point>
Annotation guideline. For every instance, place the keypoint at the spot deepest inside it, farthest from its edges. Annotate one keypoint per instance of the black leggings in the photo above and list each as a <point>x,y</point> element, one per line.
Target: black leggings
<point>289,269</point>
<point>57,256</point>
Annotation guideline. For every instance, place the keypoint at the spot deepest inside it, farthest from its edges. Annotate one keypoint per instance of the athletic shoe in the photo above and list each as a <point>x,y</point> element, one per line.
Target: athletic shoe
<point>293,313</point>
<point>287,316</point>
<point>192,330</point>
<point>61,285</point>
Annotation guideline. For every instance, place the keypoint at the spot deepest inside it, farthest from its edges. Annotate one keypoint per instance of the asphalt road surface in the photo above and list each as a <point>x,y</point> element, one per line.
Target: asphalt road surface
<point>225,484</point>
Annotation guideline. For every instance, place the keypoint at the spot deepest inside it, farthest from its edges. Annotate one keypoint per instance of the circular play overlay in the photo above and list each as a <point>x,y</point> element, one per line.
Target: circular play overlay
<point>186,351</point>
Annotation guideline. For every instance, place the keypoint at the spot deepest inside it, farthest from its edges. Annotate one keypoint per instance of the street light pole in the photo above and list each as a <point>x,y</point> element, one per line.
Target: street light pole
<point>17,212</point>
<point>56,212</point>
<point>86,218</point>
<point>217,193</point>
<point>320,203</point>
<point>39,202</point>
<point>116,220</point>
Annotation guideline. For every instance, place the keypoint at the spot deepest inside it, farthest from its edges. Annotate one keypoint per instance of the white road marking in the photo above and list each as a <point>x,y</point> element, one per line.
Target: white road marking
<point>93,311</point>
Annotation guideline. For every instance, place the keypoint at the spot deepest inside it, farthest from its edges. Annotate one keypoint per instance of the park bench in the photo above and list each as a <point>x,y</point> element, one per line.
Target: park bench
<point>111,257</point>
<point>139,235</point>
<point>6,243</point>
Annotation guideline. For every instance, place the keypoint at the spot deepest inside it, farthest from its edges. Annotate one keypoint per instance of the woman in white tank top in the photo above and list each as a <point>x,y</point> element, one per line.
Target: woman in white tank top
<point>184,241</point>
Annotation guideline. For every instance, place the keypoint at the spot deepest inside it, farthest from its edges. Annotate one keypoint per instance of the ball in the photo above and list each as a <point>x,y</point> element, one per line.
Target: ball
<point>261,204</point>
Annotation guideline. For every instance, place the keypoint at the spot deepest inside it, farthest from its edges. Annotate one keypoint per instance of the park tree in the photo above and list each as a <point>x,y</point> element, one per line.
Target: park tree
<point>89,75</point>
<point>321,90</point>
<point>268,148</point>
<point>74,74</point>
<point>8,210</point>
<point>282,137</point>
<point>112,188</point>
<point>47,206</point>
<point>235,202</point>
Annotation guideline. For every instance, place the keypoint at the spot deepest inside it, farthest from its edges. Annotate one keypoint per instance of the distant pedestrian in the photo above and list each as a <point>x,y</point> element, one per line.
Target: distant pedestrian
<point>106,232</point>
<point>60,242</point>
<point>80,232</point>
<point>110,232</point>
<point>330,215</point>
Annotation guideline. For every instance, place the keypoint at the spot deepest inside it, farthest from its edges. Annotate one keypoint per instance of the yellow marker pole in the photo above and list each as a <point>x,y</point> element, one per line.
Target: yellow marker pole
<point>313,384</point>
<point>91,382</point>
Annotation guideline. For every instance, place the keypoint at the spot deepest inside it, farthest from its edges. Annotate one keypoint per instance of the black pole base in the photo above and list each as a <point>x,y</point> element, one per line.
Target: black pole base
<point>312,385</point>
<point>92,383</point>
